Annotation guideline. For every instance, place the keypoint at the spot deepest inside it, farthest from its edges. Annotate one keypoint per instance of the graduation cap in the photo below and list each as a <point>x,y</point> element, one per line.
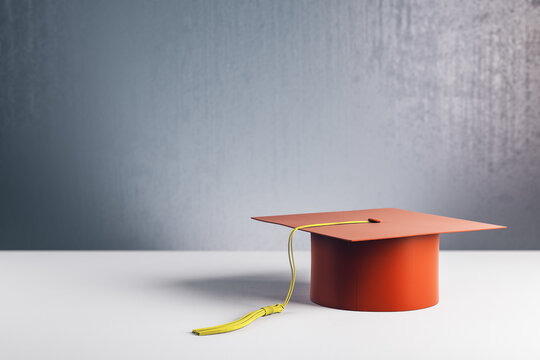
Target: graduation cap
<point>366,260</point>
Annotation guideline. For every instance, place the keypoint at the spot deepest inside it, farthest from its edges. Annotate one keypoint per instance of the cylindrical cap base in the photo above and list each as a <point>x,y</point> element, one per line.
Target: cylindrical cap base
<point>377,275</point>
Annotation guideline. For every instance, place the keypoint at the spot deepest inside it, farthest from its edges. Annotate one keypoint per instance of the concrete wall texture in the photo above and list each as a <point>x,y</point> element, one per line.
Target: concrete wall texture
<point>167,124</point>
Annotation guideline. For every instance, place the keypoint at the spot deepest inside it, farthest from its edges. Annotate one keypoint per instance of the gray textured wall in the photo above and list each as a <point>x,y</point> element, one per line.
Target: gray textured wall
<point>167,124</point>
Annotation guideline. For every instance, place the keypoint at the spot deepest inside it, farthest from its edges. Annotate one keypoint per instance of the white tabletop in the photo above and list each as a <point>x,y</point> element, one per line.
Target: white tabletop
<point>143,305</point>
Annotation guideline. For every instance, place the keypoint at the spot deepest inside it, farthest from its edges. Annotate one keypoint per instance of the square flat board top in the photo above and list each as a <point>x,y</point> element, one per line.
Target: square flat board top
<point>394,223</point>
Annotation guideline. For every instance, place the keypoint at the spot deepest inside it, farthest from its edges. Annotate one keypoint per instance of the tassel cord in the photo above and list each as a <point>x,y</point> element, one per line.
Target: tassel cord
<point>277,308</point>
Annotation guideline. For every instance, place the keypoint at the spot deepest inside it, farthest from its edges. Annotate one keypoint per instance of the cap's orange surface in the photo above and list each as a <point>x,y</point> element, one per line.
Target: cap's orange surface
<point>400,273</point>
<point>394,223</point>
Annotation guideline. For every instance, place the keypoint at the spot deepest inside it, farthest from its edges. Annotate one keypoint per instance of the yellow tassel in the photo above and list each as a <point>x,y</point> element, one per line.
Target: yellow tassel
<point>240,323</point>
<point>277,308</point>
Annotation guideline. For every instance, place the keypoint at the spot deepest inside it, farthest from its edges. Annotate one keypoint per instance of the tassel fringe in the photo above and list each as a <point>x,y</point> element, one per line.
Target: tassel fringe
<point>240,323</point>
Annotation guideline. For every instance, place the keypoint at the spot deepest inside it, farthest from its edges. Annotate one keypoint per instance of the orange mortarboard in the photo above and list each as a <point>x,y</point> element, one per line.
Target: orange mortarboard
<point>353,269</point>
<point>370,260</point>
